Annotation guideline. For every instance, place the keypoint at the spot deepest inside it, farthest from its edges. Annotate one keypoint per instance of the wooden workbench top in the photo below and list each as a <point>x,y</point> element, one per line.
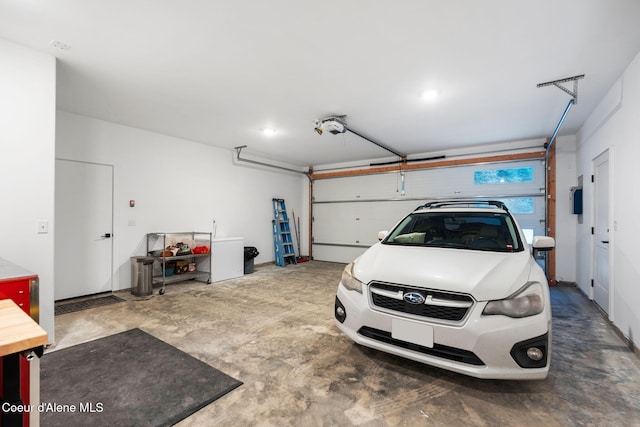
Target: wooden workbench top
<point>18,332</point>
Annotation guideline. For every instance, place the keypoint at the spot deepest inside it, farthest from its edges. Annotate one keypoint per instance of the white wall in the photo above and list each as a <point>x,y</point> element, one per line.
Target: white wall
<point>566,222</point>
<point>179,185</point>
<point>27,165</point>
<point>614,125</point>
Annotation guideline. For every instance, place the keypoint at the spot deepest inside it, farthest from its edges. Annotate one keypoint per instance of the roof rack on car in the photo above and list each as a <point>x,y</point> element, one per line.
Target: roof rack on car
<point>469,202</point>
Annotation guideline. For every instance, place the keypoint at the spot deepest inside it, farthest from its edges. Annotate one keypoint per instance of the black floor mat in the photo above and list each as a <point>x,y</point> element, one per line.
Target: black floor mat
<point>126,379</point>
<point>70,307</point>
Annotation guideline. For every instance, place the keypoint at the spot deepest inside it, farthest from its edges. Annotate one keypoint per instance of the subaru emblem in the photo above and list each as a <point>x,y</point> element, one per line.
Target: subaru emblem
<point>413,298</point>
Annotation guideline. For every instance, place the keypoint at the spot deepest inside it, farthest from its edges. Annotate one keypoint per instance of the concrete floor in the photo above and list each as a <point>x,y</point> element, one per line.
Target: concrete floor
<point>274,330</point>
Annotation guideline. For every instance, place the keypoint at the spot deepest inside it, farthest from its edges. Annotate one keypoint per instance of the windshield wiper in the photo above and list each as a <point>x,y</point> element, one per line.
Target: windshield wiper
<point>437,244</point>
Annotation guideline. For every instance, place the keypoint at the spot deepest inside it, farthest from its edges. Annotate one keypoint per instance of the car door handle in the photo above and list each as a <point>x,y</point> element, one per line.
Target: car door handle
<point>106,235</point>
<point>604,241</point>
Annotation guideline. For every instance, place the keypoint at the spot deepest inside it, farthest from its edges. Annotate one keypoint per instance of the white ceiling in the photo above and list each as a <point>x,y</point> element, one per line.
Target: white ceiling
<point>218,71</point>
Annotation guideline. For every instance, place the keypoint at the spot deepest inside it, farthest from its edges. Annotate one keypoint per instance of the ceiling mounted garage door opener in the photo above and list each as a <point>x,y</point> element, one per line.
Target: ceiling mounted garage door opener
<point>338,124</point>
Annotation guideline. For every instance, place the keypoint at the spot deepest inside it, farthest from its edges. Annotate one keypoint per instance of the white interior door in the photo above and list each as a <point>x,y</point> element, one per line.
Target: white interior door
<point>601,232</point>
<point>84,223</point>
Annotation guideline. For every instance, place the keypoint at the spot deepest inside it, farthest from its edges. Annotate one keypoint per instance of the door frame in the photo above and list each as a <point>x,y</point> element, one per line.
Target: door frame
<point>111,243</point>
<point>610,224</point>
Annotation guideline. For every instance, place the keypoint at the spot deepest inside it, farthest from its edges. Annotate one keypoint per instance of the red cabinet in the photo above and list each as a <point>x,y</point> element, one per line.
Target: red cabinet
<point>18,291</point>
<point>21,286</point>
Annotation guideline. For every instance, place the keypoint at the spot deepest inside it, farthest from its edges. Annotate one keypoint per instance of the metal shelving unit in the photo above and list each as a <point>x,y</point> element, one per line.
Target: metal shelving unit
<point>158,242</point>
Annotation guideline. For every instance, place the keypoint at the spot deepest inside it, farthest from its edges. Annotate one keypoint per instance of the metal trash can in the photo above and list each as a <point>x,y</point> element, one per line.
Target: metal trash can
<point>249,254</point>
<point>141,276</point>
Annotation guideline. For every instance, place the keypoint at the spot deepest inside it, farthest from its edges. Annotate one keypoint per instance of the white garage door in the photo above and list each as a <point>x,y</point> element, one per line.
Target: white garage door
<point>349,211</point>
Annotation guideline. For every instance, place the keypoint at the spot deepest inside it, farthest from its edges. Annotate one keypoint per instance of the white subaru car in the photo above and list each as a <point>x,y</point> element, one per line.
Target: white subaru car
<point>454,285</point>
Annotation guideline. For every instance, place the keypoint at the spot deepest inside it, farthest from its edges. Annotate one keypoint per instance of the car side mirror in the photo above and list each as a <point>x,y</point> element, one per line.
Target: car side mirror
<point>382,234</point>
<point>543,243</point>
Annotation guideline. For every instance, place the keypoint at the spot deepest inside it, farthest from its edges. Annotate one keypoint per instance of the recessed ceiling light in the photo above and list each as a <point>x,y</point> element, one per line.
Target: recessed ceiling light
<point>268,132</point>
<point>430,95</point>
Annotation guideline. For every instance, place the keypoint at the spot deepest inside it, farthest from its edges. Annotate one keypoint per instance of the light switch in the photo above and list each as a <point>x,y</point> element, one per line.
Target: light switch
<point>43,226</point>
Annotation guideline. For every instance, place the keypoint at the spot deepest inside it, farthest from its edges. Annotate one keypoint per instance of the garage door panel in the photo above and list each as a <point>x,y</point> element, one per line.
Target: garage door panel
<point>336,253</point>
<point>335,223</point>
<point>363,187</point>
<point>438,183</point>
<point>350,210</point>
<point>379,216</point>
<point>456,181</point>
<point>356,223</point>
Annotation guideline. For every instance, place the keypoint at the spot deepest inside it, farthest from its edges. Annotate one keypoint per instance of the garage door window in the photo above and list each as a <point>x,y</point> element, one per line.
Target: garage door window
<point>503,176</point>
<point>519,205</point>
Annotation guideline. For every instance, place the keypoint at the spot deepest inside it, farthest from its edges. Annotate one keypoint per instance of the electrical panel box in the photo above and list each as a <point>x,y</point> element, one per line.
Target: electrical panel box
<point>576,198</point>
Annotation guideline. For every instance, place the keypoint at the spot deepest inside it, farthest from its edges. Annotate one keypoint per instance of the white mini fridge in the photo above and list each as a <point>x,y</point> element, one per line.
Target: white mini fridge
<point>227,258</point>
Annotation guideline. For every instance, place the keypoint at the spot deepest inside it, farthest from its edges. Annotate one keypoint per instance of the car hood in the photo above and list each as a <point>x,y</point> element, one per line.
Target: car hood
<point>484,275</point>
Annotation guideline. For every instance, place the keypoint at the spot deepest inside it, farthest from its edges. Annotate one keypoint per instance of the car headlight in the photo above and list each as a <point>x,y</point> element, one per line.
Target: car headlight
<point>349,281</point>
<point>526,302</point>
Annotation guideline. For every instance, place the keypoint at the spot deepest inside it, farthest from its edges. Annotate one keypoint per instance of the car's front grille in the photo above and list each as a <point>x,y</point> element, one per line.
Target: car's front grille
<point>436,305</point>
<point>438,350</point>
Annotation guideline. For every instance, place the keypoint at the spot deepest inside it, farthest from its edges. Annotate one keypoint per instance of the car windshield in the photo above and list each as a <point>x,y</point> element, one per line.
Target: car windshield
<point>487,231</point>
